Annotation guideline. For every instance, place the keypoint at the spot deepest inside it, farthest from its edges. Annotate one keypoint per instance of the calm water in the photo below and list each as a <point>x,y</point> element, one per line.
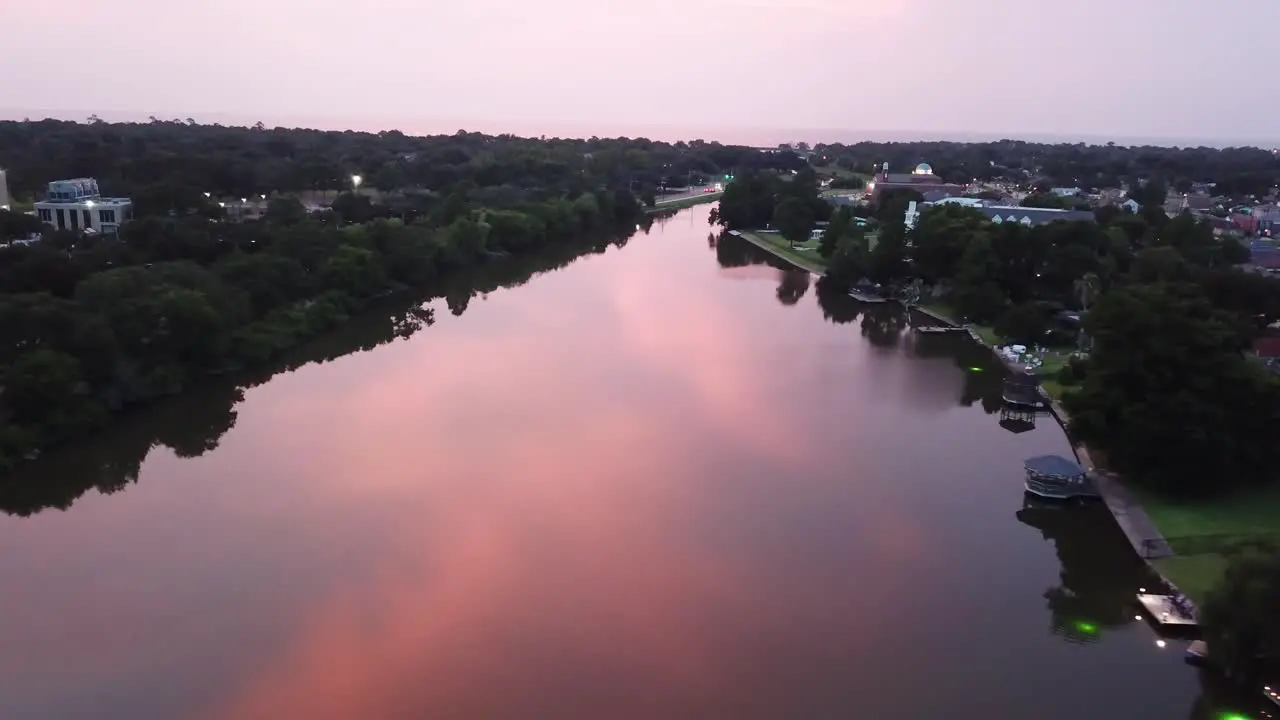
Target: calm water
<point>667,481</point>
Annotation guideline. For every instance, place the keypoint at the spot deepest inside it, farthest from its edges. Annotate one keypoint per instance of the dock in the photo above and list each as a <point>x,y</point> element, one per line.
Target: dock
<point>936,329</point>
<point>1166,613</point>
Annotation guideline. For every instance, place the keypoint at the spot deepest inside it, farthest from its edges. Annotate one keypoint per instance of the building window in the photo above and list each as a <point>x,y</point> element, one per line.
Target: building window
<point>62,220</point>
<point>88,219</point>
<point>107,216</point>
<point>46,215</point>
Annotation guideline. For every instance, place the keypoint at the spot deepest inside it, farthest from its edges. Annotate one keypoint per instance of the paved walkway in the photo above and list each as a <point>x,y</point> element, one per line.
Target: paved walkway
<point>1142,533</point>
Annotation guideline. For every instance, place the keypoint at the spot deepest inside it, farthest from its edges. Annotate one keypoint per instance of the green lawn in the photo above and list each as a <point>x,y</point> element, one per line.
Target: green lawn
<point>1251,513</point>
<point>1194,575</point>
<point>804,255</point>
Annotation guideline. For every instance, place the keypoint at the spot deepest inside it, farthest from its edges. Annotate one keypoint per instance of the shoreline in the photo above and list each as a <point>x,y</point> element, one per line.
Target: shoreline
<point>1138,528</point>
<point>809,266</point>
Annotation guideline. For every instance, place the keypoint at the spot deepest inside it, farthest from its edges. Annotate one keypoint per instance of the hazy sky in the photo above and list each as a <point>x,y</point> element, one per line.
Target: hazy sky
<point>1118,68</point>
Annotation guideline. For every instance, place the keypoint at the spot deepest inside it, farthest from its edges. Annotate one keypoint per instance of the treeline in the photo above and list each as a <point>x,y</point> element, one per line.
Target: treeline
<point>1237,171</point>
<point>167,165</point>
<point>92,325</point>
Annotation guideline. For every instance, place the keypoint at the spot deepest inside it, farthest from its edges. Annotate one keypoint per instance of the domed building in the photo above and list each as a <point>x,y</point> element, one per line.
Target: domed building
<point>922,180</point>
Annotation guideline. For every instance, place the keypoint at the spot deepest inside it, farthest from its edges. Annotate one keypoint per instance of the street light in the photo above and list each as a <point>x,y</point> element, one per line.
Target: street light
<point>355,183</point>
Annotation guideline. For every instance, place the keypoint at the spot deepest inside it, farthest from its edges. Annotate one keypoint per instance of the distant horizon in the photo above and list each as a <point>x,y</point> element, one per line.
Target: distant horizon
<point>726,134</point>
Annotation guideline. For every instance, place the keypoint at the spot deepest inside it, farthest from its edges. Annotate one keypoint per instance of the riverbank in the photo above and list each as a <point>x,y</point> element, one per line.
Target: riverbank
<point>774,244</point>
<point>231,339</point>
<point>1142,532</point>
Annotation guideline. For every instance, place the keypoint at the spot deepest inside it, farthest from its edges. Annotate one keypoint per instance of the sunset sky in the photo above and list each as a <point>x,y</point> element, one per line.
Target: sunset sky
<point>1189,69</point>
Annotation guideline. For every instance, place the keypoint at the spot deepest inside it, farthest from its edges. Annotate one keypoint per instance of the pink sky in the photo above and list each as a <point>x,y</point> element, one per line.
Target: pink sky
<point>1134,69</point>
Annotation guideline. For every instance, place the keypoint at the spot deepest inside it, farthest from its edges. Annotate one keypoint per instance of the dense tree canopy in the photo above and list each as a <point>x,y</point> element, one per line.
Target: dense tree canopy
<point>166,165</point>
<point>1169,397</point>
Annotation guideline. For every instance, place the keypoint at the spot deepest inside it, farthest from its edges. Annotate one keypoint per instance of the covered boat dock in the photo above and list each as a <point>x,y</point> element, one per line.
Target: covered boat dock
<point>1058,478</point>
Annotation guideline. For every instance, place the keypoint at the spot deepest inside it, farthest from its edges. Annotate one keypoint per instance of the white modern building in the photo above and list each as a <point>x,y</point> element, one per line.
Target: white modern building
<point>5,202</point>
<point>78,206</point>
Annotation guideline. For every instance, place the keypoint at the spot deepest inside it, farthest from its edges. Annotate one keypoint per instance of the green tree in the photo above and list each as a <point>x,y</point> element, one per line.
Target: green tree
<point>1043,200</point>
<point>1239,619</point>
<point>977,293</point>
<point>1026,323</point>
<point>840,225</point>
<point>888,260</point>
<point>1169,397</point>
<point>285,210</point>
<point>794,219</point>
<point>849,263</point>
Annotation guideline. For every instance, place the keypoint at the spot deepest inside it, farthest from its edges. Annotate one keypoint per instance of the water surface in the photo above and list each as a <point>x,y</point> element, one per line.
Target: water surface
<point>667,481</point>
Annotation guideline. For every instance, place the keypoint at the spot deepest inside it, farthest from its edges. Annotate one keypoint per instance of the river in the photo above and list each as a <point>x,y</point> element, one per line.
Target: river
<point>667,481</point>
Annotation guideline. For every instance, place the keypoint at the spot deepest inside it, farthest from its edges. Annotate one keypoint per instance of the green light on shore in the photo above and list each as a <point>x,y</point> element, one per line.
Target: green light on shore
<point>1232,716</point>
<point>975,369</point>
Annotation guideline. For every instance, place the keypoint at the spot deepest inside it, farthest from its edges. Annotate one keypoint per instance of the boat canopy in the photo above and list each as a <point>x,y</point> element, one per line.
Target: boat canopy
<point>1053,466</point>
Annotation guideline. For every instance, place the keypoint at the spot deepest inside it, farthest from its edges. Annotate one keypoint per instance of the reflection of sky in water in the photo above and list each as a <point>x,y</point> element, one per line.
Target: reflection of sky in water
<point>626,489</point>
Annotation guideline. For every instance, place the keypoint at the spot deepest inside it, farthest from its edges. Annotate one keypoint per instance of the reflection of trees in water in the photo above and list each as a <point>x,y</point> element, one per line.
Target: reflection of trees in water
<point>882,324</point>
<point>190,425</point>
<point>732,252</point>
<point>1221,699</point>
<point>193,423</point>
<point>792,285</point>
<point>1099,572</point>
<point>983,374</point>
<point>836,304</point>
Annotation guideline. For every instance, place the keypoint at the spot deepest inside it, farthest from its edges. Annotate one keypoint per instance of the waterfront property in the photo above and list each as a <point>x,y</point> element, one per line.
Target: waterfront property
<point>78,205</point>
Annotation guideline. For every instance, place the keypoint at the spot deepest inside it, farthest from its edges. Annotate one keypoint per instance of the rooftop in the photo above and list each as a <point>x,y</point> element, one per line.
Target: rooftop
<point>1055,465</point>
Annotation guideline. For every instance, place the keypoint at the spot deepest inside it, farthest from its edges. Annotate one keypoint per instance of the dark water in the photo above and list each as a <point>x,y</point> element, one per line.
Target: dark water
<point>666,481</point>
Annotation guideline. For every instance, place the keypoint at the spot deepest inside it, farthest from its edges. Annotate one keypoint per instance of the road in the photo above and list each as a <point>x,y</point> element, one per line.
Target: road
<point>695,192</point>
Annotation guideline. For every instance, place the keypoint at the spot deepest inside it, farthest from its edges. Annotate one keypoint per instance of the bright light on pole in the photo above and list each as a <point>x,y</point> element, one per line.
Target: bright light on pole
<point>355,182</point>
